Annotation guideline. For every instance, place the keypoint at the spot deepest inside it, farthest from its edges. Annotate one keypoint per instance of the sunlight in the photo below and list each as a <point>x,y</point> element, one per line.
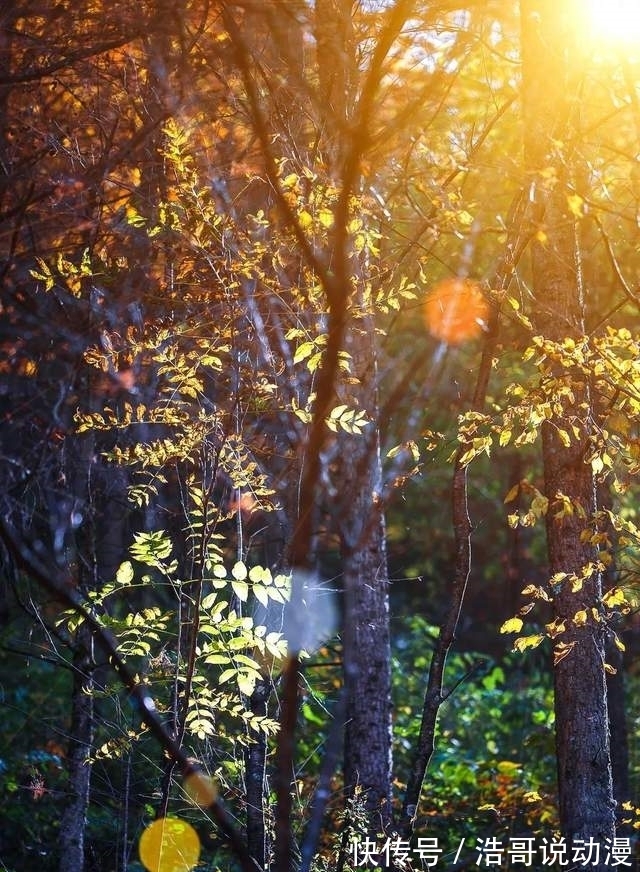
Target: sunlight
<point>613,21</point>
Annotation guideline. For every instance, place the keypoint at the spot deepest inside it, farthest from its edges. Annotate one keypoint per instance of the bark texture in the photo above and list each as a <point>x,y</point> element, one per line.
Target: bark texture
<point>550,88</point>
<point>366,645</point>
<point>71,839</point>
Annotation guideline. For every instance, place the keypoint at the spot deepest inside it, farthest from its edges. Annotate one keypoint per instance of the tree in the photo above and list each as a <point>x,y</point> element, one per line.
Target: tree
<point>243,354</point>
<point>584,762</point>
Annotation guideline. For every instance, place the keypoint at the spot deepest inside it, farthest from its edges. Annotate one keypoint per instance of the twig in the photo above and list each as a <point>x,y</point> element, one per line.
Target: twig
<point>60,587</point>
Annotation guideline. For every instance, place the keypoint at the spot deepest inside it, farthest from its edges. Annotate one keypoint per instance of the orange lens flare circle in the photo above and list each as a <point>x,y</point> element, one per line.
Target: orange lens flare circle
<point>456,311</point>
<point>201,789</point>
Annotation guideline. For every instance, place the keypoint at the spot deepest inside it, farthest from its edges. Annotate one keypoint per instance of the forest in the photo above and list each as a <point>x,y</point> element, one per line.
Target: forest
<point>320,435</point>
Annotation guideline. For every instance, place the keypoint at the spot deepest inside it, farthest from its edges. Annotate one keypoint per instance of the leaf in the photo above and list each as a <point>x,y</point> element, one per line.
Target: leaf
<point>261,594</point>
<point>555,628</point>
<point>260,574</point>
<point>512,493</point>
<point>217,659</point>
<point>513,625</point>
<point>562,650</point>
<point>246,683</point>
<point>505,438</point>
<point>241,589</point>
<point>208,601</point>
<point>325,217</point>
<point>124,575</point>
<point>508,767</point>
<point>614,597</point>
<point>576,584</point>
<point>239,571</point>
<point>523,642</point>
<point>303,351</point>
<point>580,618</point>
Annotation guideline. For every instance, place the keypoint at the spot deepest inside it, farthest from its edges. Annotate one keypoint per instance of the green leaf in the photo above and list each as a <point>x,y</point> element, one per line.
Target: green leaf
<point>261,594</point>
<point>239,571</point>
<point>217,659</point>
<point>303,351</point>
<point>208,601</point>
<point>246,683</point>
<point>241,590</point>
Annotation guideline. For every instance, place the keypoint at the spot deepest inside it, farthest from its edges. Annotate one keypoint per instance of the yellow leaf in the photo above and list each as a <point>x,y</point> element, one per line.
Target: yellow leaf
<point>465,218</point>
<point>558,577</point>
<point>505,438</point>
<point>562,650</point>
<point>614,597</point>
<point>610,669</point>
<point>513,493</point>
<point>576,584</point>
<point>523,642</point>
<point>555,628</point>
<point>580,618</point>
<point>508,767</point>
<point>325,217</point>
<point>305,220</point>
<point>513,625</point>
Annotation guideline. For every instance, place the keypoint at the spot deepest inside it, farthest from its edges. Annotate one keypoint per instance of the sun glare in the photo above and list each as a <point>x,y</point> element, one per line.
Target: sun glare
<point>613,21</point>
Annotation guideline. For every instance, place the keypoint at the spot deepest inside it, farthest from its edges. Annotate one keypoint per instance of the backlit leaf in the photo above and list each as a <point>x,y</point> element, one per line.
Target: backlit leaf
<point>513,625</point>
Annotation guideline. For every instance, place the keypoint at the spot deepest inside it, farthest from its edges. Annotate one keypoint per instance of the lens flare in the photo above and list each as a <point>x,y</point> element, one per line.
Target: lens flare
<point>201,789</point>
<point>306,620</point>
<point>169,845</point>
<point>456,311</point>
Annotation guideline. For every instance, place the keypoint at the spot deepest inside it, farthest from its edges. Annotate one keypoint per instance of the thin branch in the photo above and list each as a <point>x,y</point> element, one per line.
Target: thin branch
<point>615,266</point>
<point>435,694</point>
<point>69,60</point>
<point>60,587</point>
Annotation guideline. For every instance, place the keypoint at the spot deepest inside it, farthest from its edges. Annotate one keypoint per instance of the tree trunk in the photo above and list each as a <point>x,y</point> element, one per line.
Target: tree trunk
<point>360,515</point>
<point>366,646</point>
<point>74,817</point>
<point>582,734</point>
<point>255,760</point>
